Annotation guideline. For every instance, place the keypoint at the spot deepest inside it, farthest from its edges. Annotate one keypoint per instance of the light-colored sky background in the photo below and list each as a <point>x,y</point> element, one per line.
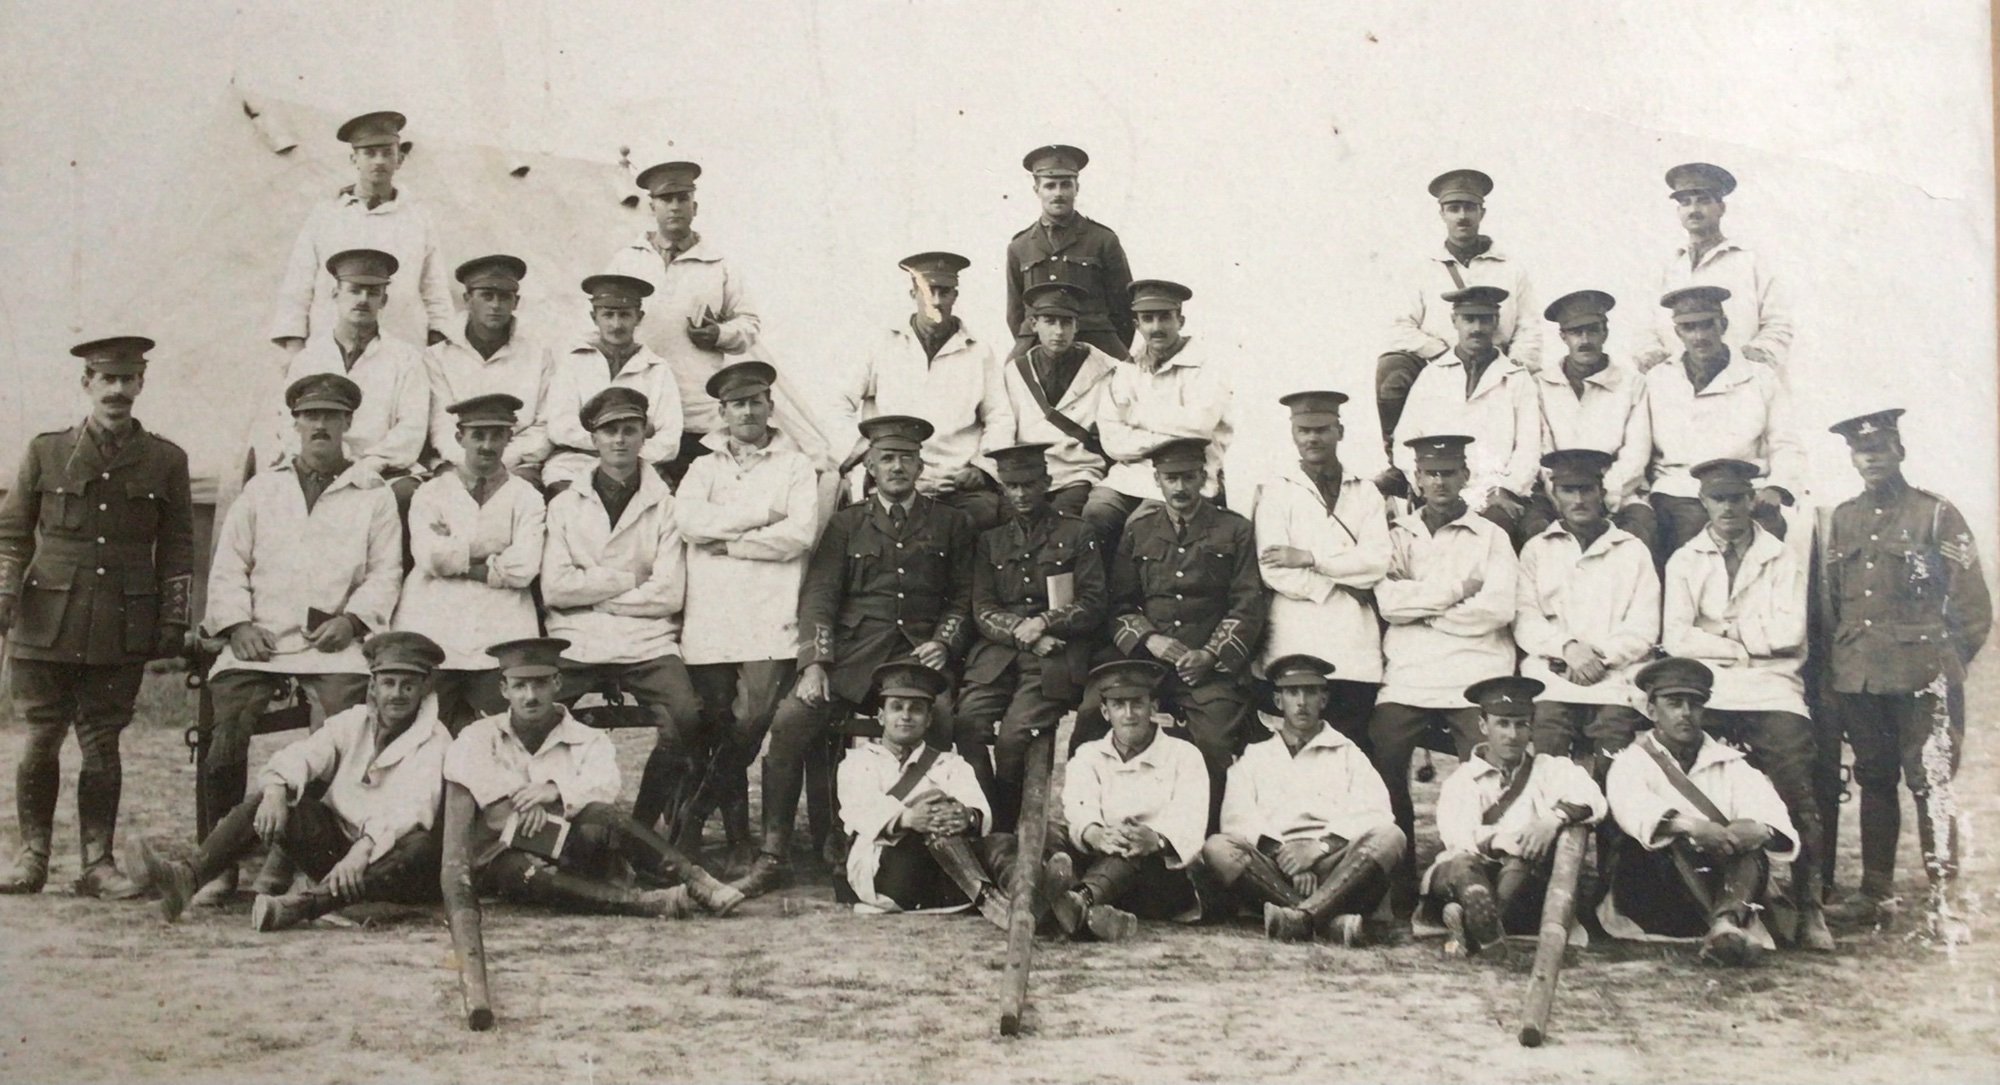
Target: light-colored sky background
<point>1271,156</point>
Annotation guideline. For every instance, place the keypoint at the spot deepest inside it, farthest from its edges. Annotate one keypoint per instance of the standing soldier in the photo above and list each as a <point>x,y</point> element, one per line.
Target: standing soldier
<point>612,358</point>
<point>1591,401</point>
<point>1760,318</point>
<point>1167,393</point>
<point>703,315</point>
<point>890,579</point>
<point>492,355</point>
<point>935,370</point>
<point>1185,592</point>
<point>1323,546</point>
<point>1038,598</point>
<point>371,213</point>
<point>1909,610</point>
<point>1057,391</point>
<point>1065,247</point>
<point>96,578</point>
<point>1423,329</point>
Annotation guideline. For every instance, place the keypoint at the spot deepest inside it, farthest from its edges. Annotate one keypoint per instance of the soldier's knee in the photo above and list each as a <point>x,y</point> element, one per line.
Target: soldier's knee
<point>1384,843</point>
<point>1395,372</point>
<point>1226,854</point>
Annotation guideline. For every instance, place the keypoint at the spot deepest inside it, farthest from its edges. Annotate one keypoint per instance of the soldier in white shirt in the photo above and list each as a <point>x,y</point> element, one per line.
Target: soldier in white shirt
<point>1479,391</point>
<point>1135,805</point>
<point>352,804</point>
<point>614,578</point>
<point>476,534</point>
<point>1057,391</point>
<point>1498,816</point>
<point>612,359</point>
<point>1449,600</point>
<point>307,563</point>
<point>1590,401</point>
<point>492,355</point>
<point>372,213</point>
<point>1698,828</point>
<point>1586,614</point>
<point>387,434</point>
<point>1707,406</point>
<point>1169,392</point>
<point>1760,317</point>
<point>1736,601</point>
<point>511,777</point>
<point>748,512</point>
<point>1422,329</point>
<point>1322,547</point>
<point>1306,824</point>
<point>935,370</point>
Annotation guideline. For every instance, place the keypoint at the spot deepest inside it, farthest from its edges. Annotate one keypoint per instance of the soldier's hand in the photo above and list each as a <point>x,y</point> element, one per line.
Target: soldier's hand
<point>534,796</point>
<point>969,479</point>
<point>1757,354</point>
<point>7,604</point>
<point>1165,649</point>
<point>932,654</point>
<point>1586,667</point>
<point>272,811</point>
<point>1296,857</point>
<point>1770,497</point>
<point>172,641</point>
<point>1030,631</point>
<point>1195,666</point>
<point>1048,646</point>
<point>1286,557</point>
<point>476,571</point>
<point>345,877</point>
<point>1509,504</point>
<point>1749,835</point>
<point>251,643</point>
<point>1709,838</point>
<point>705,336</point>
<point>1143,840</point>
<point>333,635</point>
<point>1647,359</point>
<point>920,813</point>
<point>1305,883</point>
<point>1540,836</point>
<point>814,688</point>
<point>1470,587</point>
<point>441,529</point>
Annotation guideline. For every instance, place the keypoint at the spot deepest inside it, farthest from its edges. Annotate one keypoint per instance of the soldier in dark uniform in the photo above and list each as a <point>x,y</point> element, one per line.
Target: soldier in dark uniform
<point>1038,599</point>
<point>1909,609</point>
<point>96,578</point>
<point>890,578</point>
<point>1065,247</point>
<point>1185,591</point>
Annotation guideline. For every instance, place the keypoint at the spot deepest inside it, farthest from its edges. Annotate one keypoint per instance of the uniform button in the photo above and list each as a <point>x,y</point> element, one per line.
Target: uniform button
<point>899,569</point>
<point>100,540</point>
<point>100,570</point>
<point>1180,574</point>
<point>1873,538</point>
<point>101,507</point>
<point>1182,550</point>
<point>899,595</point>
<point>1180,597</point>
<point>106,474</point>
<point>1866,621</point>
<point>1870,565</point>
<point>1868,591</point>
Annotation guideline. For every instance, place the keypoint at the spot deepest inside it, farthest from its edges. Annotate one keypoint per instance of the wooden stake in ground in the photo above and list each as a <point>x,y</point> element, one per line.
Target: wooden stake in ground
<point>1557,909</point>
<point>461,908</point>
<point>1039,792</point>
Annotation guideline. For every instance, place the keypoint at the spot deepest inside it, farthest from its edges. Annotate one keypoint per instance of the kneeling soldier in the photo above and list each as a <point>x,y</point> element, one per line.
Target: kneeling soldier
<point>1306,825</point>
<point>1135,803</point>
<point>1498,817</point>
<point>537,762</point>
<point>1701,828</point>
<point>352,804</point>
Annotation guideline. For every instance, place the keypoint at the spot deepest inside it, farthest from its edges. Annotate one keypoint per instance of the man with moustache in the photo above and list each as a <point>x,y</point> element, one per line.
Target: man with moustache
<point>1590,401</point>
<point>1057,390</point>
<point>612,358</point>
<point>1063,246</point>
<point>372,213</point>
<point>96,578</point>
<point>492,356</point>
<point>1758,311</point>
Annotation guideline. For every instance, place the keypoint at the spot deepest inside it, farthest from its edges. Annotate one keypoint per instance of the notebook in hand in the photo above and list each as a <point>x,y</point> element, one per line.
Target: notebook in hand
<point>546,842</point>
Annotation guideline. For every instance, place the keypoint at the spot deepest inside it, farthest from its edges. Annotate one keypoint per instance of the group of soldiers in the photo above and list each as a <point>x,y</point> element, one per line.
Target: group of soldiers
<point>1578,577</point>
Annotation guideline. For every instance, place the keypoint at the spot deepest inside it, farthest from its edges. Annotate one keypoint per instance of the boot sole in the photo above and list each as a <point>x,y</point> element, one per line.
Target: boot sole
<point>1112,924</point>
<point>263,914</point>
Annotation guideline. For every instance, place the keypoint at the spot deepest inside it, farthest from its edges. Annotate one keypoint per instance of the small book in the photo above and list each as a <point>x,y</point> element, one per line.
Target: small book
<point>1062,590</point>
<point>546,842</point>
<point>706,316</point>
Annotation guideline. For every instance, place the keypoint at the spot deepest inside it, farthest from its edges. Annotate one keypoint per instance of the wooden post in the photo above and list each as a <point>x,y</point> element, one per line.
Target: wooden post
<point>1557,910</point>
<point>461,907</point>
<point>1032,833</point>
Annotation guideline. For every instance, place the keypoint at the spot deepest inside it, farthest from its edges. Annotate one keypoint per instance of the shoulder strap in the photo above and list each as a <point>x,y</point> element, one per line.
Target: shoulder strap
<point>913,773</point>
<point>1056,418</point>
<point>1682,784</point>
<point>1451,265</point>
<point>1514,789</point>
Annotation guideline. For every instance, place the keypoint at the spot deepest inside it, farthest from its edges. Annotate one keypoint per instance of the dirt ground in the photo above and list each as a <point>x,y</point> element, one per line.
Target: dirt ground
<point>800,990</point>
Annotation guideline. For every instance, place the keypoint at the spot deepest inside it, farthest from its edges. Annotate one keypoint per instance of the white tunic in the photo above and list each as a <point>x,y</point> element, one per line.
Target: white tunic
<point>274,561</point>
<point>1759,312</point>
<point>1610,416</point>
<point>1503,416</point>
<point>1475,786</point>
<point>401,227</point>
<point>1322,611</point>
<point>583,372</point>
<point>744,604</point>
<point>698,280</point>
<point>490,761</point>
<point>448,532</point>
<point>1752,634</point>
<point>1185,397</point>
<point>1743,414</point>
<point>868,812</point>
<point>615,592</point>
<point>521,368</point>
<point>377,791</point>
<point>1329,788</point>
<point>388,429</point>
<point>961,393</point>
<point>1163,787</point>
<point>1423,323</point>
<point>1606,596</point>
<point>1069,462</point>
<point>1436,647</point>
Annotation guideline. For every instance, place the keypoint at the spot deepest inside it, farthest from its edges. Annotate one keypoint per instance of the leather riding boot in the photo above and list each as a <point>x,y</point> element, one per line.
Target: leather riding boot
<point>97,819</point>
<point>30,871</point>
<point>1881,825</point>
<point>173,880</point>
<point>654,850</point>
<point>36,787</point>
<point>987,891</point>
<point>767,873</point>
<point>546,885</point>
<point>736,813</point>
<point>275,913</point>
<point>664,768</point>
<point>1270,884</point>
<point>1356,874</point>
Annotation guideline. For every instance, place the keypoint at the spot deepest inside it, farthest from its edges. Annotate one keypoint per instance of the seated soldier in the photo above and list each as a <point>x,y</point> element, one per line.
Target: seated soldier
<point>1306,826</point>
<point>307,563</point>
<point>914,813</point>
<point>1699,828</point>
<point>1135,804</point>
<point>1038,599</point>
<point>507,778</point>
<point>611,358</point>
<point>614,576</point>
<point>1498,816</point>
<point>352,804</point>
<point>476,533</point>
